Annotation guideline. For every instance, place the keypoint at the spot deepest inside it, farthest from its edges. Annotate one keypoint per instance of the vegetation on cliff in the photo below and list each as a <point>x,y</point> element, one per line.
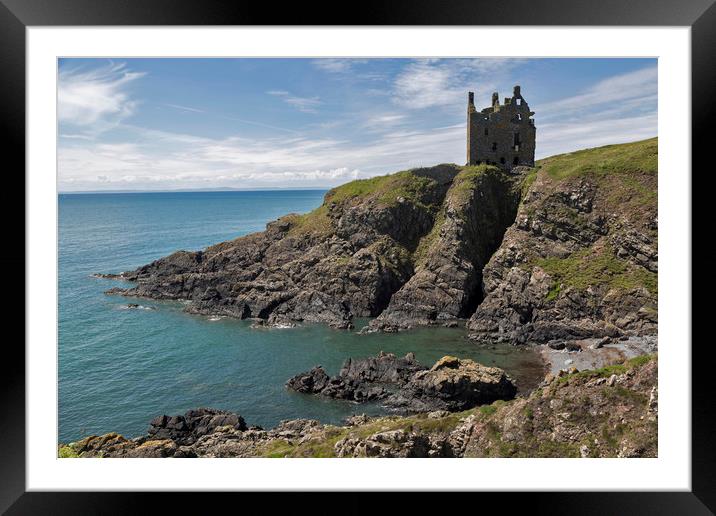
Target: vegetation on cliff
<point>609,412</point>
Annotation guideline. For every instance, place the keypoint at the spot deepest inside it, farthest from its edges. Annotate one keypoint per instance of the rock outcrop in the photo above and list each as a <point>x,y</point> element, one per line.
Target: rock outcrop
<point>350,256</point>
<point>580,261</point>
<point>609,412</point>
<point>404,385</point>
<point>567,250</point>
<point>447,284</point>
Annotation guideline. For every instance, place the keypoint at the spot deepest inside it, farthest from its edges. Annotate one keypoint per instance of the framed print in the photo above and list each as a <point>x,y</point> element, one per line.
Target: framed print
<point>446,248</point>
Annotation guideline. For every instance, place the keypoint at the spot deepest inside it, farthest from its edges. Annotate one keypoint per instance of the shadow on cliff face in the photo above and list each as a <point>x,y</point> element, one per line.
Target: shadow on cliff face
<point>365,251</point>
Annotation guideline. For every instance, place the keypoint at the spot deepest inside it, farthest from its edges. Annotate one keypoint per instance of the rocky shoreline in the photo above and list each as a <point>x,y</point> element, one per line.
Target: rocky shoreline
<point>563,256</point>
<point>607,412</point>
<point>405,386</point>
<point>564,251</point>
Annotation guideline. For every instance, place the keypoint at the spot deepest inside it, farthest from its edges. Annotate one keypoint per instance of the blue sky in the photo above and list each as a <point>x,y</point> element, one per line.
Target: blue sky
<point>167,124</point>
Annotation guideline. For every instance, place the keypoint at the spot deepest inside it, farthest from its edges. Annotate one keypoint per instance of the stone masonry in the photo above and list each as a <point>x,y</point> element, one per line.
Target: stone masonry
<point>502,135</point>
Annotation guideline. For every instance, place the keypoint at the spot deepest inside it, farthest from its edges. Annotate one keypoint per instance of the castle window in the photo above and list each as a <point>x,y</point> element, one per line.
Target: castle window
<point>516,139</point>
<point>494,146</point>
<point>486,131</point>
<point>502,160</point>
<point>516,161</point>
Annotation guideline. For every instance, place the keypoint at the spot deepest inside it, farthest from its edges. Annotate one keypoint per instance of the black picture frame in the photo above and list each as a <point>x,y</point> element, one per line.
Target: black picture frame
<point>17,15</point>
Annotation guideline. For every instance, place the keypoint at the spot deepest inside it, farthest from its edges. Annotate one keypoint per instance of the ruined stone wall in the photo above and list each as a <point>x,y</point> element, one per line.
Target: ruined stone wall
<point>502,135</point>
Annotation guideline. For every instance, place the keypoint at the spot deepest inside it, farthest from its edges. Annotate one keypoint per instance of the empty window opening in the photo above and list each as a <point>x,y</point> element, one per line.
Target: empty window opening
<point>502,160</point>
<point>494,146</point>
<point>516,161</point>
<point>517,138</point>
<point>486,131</point>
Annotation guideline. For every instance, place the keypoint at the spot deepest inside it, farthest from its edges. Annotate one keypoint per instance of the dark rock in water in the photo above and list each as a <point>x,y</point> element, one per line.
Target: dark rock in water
<point>459,384</point>
<point>405,385</point>
<point>384,368</point>
<point>554,253</point>
<point>311,382</point>
<point>564,414</point>
<point>195,423</point>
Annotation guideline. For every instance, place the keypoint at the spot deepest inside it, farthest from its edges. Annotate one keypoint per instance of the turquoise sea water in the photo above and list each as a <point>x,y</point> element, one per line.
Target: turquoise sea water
<point>119,367</point>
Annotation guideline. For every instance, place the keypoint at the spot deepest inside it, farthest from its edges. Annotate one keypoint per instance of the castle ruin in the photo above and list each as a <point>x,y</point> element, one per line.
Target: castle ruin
<point>502,135</point>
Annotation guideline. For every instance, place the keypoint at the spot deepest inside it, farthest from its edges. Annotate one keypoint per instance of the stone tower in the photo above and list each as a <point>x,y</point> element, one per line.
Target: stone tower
<point>502,135</point>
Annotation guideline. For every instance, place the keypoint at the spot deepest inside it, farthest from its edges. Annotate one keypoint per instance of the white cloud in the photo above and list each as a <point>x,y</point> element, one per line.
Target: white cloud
<point>95,100</point>
<point>336,65</point>
<point>429,83</point>
<point>625,91</point>
<point>303,104</point>
<point>563,137</point>
<point>162,160</point>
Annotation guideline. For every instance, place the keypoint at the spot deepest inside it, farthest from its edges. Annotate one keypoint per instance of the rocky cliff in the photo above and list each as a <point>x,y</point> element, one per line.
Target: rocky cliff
<point>565,250</point>
<point>581,258</point>
<point>608,412</point>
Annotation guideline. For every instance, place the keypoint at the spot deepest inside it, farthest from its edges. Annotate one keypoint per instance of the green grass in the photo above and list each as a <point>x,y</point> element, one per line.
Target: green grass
<point>385,190</point>
<point>67,452</point>
<point>626,158</point>
<point>528,181</point>
<point>595,267</point>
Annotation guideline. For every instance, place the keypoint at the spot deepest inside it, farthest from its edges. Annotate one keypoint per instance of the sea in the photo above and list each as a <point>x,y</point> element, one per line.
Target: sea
<point>119,367</point>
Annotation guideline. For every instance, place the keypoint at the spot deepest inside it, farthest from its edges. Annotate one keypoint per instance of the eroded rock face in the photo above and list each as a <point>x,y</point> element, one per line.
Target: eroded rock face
<point>345,259</point>
<point>447,284</point>
<point>462,383</point>
<point>406,386</point>
<point>580,260</point>
<point>573,256</point>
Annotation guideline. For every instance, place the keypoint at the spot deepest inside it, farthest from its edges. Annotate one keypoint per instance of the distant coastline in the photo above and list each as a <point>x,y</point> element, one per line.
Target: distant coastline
<point>198,190</point>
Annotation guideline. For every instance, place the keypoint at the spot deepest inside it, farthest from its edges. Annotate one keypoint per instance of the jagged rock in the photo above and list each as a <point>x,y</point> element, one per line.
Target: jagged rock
<point>359,379</point>
<point>343,260</point>
<point>574,256</point>
<point>460,384</point>
<point>405,385</point>
<point>556,421</point>
<point>392,443</point>
<point>580,260</point>
<point>195,423</point>
<point>478,208</point>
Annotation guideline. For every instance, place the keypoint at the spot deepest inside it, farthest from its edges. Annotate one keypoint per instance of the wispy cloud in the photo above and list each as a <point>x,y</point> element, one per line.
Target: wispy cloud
<point>414,118</point>
<point>165,160</point>
<point>185,108</point>
<point>625,91</point>
<point>303,104</point>
<point>617,109</point>
<point>92,101</point>
<point>429,83</point>
<point>336,65</point>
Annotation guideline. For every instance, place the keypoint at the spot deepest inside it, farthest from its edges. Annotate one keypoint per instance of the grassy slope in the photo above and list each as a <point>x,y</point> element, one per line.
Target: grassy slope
<point>626,177</point>
<point>491,419</point>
